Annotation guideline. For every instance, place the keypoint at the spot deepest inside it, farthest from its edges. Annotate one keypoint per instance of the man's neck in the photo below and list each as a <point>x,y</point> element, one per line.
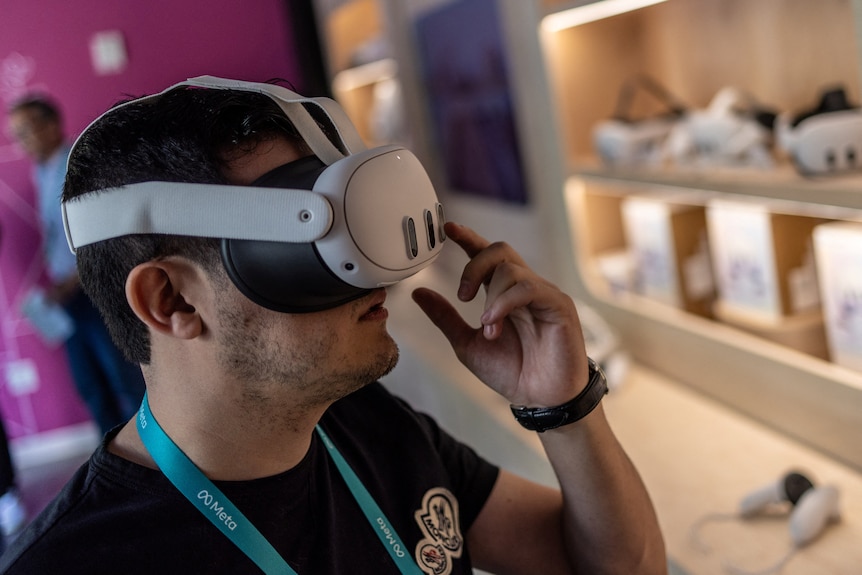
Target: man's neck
<point>246,445</point>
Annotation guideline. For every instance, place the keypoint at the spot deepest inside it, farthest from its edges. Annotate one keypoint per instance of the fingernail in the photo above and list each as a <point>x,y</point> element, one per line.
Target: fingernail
<point>488,330</point>
<point>464,290</point>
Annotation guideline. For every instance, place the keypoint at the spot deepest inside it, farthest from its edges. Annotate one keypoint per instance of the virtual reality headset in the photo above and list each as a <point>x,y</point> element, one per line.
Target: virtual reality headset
<point>734,130</point>
<point>631,144</point>
<point>623,141</point>
<point>310,235</point>
<point>825,140</point>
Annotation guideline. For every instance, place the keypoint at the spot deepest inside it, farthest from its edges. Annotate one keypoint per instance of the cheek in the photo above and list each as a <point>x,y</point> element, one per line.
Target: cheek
<point>330,335</point>
<point>306,335</point>
<point>320,336</point>
<point>336,339</point>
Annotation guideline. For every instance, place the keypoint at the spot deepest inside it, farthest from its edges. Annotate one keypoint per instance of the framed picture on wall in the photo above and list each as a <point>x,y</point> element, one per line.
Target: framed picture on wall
<point>465,70</point>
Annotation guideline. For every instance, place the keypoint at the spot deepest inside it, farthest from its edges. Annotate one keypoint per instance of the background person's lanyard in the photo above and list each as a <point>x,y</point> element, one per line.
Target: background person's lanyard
<point>215,506</point>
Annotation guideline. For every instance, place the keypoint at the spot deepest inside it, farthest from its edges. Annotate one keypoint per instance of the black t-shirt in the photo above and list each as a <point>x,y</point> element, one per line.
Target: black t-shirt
<point>117,517</point>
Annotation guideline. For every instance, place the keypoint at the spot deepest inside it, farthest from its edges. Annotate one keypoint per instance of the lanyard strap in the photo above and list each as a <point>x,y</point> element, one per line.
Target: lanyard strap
<point>384,529</point>
<point>205,496</point>
<point>215,506</point>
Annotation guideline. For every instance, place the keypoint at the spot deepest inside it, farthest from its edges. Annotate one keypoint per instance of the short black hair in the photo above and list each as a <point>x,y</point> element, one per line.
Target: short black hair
<point>188,134</point>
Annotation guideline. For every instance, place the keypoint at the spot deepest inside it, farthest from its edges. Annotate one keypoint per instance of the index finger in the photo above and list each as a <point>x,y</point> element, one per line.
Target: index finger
<point>471,242</point>
<point>484,256</point>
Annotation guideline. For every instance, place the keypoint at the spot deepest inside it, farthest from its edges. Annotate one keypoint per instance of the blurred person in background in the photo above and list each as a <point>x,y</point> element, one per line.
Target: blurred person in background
<point>110,386</point>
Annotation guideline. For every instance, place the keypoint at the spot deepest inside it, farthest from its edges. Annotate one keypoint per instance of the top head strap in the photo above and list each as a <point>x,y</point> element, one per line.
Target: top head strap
<point>293,106</point>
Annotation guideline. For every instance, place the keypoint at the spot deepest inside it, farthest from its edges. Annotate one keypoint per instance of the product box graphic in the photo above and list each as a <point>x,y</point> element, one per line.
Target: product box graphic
<point>838,252</point>
<point>762,260</point>
<point>667,239</point>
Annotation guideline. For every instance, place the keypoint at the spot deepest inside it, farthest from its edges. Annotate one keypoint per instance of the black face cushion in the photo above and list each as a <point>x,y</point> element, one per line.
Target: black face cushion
<point>286,277</point>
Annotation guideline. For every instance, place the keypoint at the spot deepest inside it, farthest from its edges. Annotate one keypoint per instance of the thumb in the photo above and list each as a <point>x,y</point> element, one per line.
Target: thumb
<point>444,315</point>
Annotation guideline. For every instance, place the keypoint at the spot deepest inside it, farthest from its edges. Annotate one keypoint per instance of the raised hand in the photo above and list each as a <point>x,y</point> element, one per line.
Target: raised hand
<point>529,347</point>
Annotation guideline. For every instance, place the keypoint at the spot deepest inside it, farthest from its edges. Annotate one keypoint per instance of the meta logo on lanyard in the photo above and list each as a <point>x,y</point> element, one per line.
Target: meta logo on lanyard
<point>390,538</point>
<point>212,504</point>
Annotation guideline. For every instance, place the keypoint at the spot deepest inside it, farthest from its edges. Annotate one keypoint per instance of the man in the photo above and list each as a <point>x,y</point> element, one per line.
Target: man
<point>110,386</point>
<point>264,443</point>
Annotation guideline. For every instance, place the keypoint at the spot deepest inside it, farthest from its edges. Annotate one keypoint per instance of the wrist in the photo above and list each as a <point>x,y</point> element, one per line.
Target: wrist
<point>545,418</point>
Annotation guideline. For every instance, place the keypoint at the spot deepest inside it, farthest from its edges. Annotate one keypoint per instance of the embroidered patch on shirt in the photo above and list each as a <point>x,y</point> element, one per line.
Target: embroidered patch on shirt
<point>440,522</point>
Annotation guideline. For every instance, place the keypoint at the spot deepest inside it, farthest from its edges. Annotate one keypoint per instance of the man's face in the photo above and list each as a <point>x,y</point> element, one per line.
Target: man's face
<point>38,136</point>
<point>324,355</point>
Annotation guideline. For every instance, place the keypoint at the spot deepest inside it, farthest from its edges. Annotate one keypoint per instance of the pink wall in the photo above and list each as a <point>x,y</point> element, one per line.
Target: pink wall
<point>44,45</point>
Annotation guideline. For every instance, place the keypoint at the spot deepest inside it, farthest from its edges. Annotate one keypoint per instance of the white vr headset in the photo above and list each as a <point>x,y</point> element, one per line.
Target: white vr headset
<point>622,141</point>
<point>729,132</point>
<point>826,140</point>
<point>310,235</point>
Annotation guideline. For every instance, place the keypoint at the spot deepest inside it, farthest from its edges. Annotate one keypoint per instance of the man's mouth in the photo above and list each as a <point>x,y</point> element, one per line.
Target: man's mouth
<point>376,311</point>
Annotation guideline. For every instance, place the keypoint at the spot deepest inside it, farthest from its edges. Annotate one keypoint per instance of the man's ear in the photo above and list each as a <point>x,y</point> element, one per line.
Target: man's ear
<point>158,293</point>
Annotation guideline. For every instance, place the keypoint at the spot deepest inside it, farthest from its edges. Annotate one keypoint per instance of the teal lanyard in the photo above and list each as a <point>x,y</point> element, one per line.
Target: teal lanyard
<point>215,506</point>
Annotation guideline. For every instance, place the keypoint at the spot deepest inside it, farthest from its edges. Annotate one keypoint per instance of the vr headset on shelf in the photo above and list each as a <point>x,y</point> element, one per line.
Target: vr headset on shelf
<point>734,130</point>
<point>826,139</point>
<point>625,142</point>
<point>310,235</point>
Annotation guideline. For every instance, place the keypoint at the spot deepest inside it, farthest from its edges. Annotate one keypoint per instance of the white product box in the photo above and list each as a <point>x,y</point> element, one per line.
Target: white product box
<point>617,270</point>
<point>762,260</point>
<point>666,236</point>
<point>838,251</point>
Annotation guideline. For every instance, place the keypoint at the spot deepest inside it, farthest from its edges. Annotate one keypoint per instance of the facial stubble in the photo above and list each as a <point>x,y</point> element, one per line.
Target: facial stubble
<point>308,366</point>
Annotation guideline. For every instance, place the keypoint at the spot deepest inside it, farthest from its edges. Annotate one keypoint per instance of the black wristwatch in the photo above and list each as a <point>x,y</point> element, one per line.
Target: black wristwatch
<point>544,418</point>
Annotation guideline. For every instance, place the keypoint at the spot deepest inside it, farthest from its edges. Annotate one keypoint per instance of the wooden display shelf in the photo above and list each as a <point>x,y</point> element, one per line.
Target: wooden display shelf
<point>836,197</point>
<point>781,52</point>
<point>804,396</point>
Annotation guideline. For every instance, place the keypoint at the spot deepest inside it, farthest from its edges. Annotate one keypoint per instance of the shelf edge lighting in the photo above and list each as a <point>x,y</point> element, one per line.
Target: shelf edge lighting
<point>592,12</point>
<point>365,74</point>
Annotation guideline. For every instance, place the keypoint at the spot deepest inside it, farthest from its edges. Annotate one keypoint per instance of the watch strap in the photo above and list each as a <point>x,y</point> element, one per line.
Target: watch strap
<point>544,418</point>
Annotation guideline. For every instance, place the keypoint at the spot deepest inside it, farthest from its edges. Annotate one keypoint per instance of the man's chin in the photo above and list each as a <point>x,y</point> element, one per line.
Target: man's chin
<point>385,366</point>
